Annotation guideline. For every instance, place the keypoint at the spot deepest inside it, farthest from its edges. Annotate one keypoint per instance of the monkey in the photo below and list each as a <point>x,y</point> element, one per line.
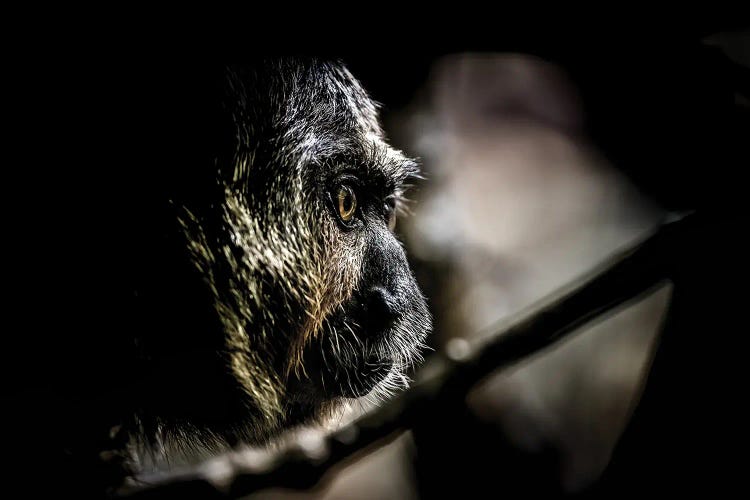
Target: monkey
<point>238,262</point>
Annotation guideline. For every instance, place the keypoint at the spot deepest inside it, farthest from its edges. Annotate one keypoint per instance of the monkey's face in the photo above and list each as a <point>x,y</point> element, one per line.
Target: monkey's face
<point>313,290</point>
<point>372,329</point>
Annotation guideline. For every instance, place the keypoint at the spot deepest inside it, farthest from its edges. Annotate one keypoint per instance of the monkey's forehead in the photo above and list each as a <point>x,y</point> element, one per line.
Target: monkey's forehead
<point>318,117</point>
<point>292,94</point>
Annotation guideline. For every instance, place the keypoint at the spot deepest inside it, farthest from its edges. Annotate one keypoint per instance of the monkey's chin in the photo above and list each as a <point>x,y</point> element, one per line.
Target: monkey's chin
<point>325,382</point>
<point>359,380</point>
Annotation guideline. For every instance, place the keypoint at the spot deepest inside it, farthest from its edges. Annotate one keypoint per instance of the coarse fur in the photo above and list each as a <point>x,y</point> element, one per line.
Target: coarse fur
<point>236,301</point>
<point>286,279</point>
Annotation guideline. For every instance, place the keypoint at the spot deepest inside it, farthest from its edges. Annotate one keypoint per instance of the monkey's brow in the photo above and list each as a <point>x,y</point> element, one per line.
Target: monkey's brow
<point>397,167</point>
<point>375,163</point>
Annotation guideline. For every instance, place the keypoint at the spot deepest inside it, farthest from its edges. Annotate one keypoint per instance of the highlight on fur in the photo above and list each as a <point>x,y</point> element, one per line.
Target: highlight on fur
<point>291,287</point>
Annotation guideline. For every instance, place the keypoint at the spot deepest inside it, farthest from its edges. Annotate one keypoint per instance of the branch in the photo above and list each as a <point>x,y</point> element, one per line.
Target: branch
<point>447,378</point>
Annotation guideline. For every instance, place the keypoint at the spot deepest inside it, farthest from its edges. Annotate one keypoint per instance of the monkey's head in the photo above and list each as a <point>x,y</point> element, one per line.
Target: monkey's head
<point>311,290</point>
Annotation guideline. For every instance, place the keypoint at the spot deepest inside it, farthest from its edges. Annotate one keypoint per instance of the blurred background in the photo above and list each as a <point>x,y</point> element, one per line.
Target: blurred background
<point>519,203</point>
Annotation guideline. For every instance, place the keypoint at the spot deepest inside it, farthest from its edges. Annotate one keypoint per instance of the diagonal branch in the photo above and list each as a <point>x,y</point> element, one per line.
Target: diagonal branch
<point>447,379</point>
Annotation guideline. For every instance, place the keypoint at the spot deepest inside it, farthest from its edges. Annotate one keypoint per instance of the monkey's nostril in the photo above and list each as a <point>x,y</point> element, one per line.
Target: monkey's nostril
<point>381,308</point>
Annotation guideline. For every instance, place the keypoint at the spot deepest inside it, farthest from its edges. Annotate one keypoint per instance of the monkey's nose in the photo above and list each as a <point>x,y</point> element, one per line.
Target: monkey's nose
<point>381,309</point>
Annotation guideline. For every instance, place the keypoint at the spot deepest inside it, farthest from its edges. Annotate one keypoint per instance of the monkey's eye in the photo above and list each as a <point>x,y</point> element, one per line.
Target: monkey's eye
<point>347,203</point>
<point>390,212</point>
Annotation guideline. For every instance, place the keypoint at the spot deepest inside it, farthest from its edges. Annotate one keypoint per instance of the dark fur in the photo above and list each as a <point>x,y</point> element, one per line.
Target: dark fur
<point>205,292</point>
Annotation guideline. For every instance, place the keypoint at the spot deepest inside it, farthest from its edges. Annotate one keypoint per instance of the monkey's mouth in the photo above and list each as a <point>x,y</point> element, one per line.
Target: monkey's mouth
<point>337,367</point>
<point>348,359</point>
<point>367,344</point>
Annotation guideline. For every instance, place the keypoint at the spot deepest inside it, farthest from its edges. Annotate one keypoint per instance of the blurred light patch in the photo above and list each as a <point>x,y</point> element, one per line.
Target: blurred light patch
<point>519,203</point>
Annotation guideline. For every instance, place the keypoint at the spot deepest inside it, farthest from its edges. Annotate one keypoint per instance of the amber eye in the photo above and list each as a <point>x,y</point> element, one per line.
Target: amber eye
<point>347,203</point>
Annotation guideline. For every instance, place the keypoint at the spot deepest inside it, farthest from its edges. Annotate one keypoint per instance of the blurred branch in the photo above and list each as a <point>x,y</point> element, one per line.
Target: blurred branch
<point>446,379</point>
